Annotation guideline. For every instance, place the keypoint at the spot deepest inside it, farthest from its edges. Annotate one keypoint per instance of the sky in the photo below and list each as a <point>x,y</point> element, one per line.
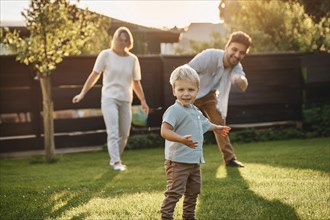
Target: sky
<point>151,13</point>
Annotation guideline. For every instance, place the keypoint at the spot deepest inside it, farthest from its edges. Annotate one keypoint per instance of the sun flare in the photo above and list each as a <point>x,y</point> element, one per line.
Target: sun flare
<point>158,13</point>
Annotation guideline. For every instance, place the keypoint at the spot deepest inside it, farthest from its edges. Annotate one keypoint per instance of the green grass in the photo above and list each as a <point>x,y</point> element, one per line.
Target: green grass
<point>281,180</point>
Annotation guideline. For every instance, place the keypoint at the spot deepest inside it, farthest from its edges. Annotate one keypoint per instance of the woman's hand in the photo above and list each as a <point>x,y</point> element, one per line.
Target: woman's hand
<point>77,98</point>
<point>145,107</point>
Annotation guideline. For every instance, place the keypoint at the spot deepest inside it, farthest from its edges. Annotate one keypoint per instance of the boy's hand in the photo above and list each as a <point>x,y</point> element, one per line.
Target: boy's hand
<point>222,130</point>
<point>186,140</point>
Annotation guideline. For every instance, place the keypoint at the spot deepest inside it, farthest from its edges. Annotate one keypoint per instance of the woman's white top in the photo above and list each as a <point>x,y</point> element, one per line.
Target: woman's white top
<point>118,74</point>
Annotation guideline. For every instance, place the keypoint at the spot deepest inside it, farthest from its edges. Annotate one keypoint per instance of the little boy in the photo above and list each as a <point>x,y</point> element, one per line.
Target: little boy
<point>183,127</point>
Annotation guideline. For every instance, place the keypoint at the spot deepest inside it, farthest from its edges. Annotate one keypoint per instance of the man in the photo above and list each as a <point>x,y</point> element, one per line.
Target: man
<point>218,69</point>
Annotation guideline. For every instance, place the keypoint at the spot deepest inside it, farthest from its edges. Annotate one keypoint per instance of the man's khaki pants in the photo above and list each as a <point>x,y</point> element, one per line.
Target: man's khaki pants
<point>207,105</point>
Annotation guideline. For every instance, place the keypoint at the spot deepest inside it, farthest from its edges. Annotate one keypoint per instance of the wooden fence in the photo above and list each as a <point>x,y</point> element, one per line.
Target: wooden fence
<point>316,72</point>
<point>275,94</point>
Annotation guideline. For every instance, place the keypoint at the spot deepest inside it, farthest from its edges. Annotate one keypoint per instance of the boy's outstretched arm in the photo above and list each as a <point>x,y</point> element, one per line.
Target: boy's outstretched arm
<point>166,131</point>
<point>219,129</point>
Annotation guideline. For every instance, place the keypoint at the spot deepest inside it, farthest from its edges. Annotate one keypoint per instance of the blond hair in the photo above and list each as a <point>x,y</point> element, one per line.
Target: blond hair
<point>128,33</point>
<point>185,73</point>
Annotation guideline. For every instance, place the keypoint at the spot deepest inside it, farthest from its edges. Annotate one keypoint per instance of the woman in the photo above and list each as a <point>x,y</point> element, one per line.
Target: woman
<point>121,75</point>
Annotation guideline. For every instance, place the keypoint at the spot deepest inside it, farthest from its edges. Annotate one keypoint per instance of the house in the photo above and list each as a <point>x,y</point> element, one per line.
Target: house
<point>147,40</point>
<point>201,32</point>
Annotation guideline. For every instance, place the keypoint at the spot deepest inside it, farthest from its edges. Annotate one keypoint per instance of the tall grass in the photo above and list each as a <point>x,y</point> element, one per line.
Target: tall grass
<point>281,180</point>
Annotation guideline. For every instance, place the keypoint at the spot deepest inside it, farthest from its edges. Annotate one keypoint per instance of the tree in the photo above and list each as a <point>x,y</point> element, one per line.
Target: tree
<point>102,39</point>
<point>57,29</point>
<point>317,9</point>
<point>277,25</point>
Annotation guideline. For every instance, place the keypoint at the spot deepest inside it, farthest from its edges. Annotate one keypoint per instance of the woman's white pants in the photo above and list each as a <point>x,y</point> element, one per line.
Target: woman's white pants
<point>117,117</point>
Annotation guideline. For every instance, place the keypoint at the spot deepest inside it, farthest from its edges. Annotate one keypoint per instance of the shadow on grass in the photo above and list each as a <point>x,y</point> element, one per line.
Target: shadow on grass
<point>300,153</point>
<point>71,186</point>
<point>233,199</point>
<point>82,195</point>
<point>81,181</point>
<point>108,184</point>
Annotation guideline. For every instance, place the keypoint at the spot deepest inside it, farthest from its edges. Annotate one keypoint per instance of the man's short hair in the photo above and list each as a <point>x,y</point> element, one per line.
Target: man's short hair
<point>240,37</point>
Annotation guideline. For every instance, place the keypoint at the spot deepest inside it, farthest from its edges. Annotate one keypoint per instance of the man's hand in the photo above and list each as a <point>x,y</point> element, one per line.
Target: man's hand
<point>241,81</point>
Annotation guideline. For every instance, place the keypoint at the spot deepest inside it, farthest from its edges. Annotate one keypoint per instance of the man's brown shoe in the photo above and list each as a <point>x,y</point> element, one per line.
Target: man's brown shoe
<point>234,163</point>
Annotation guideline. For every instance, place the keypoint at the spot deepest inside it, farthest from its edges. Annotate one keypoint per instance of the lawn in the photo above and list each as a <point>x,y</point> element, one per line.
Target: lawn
<point>281,180</point>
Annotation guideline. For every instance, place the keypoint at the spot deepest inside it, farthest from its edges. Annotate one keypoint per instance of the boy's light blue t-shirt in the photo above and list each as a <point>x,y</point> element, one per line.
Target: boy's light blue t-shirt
<point>186,121</point>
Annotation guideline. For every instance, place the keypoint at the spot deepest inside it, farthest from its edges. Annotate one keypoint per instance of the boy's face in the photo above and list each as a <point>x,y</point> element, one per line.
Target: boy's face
<point>234,53</point>
<point>185,91</point>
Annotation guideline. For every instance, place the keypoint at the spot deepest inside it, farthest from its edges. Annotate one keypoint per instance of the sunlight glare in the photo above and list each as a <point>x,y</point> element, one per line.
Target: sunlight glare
<point>221,172</point>
<point>158,13</point>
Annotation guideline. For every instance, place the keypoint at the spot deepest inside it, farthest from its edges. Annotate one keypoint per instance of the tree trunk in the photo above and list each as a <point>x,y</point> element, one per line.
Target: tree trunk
<point>47,104</point>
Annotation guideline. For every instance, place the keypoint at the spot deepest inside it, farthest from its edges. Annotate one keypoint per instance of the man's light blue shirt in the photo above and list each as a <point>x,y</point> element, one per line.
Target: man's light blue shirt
<point>209,66</point>
<point>186,120</point>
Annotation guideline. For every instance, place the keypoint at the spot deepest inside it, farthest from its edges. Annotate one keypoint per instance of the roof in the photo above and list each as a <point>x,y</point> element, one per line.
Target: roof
<point>166,36</point>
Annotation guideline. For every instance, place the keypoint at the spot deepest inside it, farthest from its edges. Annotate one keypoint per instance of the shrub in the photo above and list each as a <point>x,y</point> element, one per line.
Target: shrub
<point>317,120</point>
<point>142,141</point>
<point>316,124</point>
<point>269,134</point>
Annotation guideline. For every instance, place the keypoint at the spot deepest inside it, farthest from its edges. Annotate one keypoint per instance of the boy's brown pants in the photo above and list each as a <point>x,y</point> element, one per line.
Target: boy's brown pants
<point>207,105</point>
<point>182,179</point>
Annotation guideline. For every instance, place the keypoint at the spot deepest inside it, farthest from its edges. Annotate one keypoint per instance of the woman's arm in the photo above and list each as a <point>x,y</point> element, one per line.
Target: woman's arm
<point>137,87</point>
<point>90,82</point>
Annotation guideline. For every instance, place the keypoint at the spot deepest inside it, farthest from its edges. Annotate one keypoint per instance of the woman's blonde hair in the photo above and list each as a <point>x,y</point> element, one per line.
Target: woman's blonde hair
<point>184,72</point>
<point>128,33</point>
